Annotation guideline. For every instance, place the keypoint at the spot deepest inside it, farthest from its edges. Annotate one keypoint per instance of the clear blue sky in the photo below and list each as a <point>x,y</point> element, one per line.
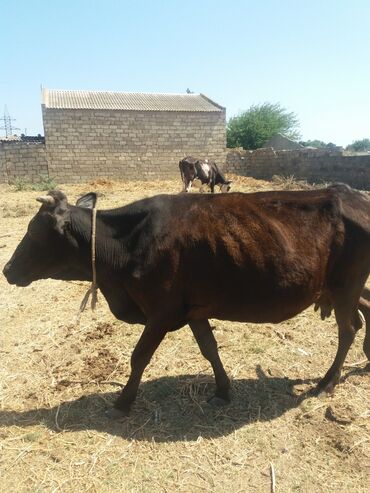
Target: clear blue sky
<point>313,57</point>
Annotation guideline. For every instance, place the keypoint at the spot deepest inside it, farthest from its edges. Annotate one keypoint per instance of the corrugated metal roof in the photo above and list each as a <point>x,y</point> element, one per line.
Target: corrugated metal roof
<point>127,101</point>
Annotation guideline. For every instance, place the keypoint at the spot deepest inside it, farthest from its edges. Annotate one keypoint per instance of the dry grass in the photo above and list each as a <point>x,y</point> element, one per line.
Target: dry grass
<point>291,183</point>
<point>57,378</point>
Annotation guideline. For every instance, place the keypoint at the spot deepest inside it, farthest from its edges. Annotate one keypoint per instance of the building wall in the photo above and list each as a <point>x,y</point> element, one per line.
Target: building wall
<point>85,144</point>
<point>313,165</point>
<point>22,161</point>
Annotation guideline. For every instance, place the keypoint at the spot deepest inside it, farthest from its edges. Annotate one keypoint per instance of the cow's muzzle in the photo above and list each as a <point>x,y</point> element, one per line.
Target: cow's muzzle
<point>11,278</point>
<point>6,269</point>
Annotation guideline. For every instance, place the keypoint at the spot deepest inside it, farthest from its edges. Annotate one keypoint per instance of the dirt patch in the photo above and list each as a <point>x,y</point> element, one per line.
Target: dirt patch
<point>102,183</point>
<point>100,365</point>
<point>102,330</point>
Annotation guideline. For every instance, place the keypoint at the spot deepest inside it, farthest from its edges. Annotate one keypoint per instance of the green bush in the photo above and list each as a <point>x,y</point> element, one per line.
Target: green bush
<point>44,183</point>
<point>20,184</point>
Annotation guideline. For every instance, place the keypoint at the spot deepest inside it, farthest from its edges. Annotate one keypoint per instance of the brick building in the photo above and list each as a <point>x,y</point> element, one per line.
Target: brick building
<point>91,134</point>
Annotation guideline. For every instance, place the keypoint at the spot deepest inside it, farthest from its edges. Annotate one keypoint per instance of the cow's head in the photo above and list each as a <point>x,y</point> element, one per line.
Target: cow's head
<point>48,248</point>
<point>225,187</point>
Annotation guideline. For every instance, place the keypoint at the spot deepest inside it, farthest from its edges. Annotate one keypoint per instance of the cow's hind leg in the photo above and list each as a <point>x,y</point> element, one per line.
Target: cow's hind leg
<point>149,341</point>
<point>363,307</point>
<point>346,334</point>
<point>208,346</point>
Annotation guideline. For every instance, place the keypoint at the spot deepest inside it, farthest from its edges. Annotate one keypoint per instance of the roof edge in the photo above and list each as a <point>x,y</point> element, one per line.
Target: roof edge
<point>212,102</point>
<point>45,96</point>
<point>129,92</point>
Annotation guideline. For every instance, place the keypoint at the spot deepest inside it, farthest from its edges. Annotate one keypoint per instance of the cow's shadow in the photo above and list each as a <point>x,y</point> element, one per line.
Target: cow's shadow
<point>171,409</point>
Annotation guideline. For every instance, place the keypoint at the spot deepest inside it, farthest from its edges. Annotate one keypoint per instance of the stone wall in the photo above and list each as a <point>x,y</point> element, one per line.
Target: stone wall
<point>22,161</point>
<point>313,165</point>
<point>87,159</point>
<point>135,145</point>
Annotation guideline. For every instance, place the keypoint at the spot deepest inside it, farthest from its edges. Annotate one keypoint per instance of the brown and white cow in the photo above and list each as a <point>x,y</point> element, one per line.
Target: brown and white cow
<point>199,172</point>
<point>172,260</point>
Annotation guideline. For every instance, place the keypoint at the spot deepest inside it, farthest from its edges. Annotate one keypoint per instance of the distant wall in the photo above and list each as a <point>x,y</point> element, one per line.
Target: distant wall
<point>22,161</point>
<point>29,161</point>
<point>313,165</point>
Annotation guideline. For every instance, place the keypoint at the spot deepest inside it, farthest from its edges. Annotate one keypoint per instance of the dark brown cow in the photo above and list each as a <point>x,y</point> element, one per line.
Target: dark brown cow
<point>172,260</point>
<point>199,172</point>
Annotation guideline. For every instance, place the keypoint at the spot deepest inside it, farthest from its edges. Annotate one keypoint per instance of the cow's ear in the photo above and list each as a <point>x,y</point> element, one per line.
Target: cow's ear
<point>87,201</point>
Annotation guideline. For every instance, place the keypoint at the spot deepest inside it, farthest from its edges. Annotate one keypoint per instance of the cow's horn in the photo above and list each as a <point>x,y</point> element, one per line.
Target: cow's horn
<point>46,199</point>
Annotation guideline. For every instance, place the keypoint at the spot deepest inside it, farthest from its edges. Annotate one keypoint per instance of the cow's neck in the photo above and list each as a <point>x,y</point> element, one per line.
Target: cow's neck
<point>111,252</point>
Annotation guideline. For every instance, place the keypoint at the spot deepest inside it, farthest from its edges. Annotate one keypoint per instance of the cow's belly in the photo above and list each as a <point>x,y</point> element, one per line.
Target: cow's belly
<point>241,302</point>
<point>121,304</point>
<point>271,313</point>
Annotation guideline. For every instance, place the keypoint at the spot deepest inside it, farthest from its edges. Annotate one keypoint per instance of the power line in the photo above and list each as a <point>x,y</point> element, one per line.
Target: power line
<point>8,127</point>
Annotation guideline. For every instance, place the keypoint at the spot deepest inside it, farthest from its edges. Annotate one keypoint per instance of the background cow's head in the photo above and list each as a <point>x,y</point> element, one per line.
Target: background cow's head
<point>225,187</point>
<point>48,248</point>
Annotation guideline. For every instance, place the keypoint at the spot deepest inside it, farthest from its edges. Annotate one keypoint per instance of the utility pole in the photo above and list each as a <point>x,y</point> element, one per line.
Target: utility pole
<point>8,127</point>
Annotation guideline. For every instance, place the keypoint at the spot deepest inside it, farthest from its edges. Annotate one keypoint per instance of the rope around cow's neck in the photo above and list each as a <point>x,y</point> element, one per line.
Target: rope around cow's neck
<point>93,290</point>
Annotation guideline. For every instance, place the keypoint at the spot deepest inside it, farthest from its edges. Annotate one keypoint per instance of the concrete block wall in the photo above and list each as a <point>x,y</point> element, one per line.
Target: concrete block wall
<point>149,153</point>
<point>312,165</point>
<point>86,144</point>
<point>22,161</point>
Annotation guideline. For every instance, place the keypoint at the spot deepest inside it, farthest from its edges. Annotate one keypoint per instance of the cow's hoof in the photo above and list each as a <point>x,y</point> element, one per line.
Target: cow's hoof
<point>322,390</point>
<point>217,402</point>
<point>316,392</point>
<point>116,414</point>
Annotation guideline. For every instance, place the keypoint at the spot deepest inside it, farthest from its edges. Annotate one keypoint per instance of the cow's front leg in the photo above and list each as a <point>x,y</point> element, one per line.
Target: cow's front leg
<point>188,186</point>
<point>208,346</point>
<point>149,341</point>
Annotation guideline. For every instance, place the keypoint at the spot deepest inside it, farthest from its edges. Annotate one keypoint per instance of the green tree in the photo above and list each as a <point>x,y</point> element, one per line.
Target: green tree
<point>252,128</point>
<point>359,145</point>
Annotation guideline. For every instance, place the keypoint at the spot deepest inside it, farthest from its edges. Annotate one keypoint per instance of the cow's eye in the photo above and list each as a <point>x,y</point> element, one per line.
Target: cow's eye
<point>31,231</point>
<point>35,233</point>
<point>32,235</point>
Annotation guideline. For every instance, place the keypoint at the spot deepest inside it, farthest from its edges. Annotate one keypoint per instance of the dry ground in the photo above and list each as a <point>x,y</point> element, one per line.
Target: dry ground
<point>58,377</point>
